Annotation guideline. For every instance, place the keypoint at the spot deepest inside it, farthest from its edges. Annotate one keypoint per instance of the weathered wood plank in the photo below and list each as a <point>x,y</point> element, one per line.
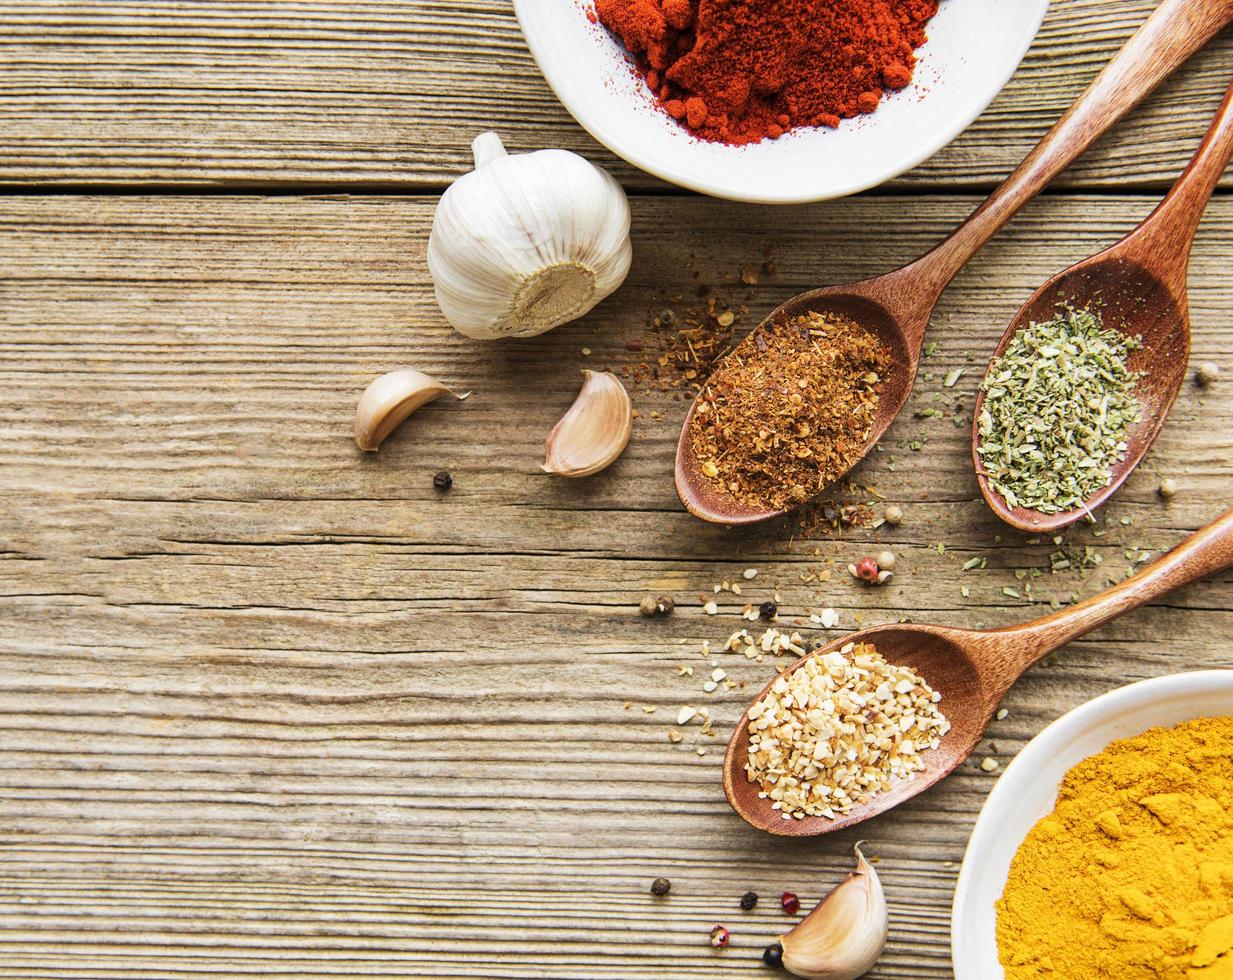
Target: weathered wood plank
<point>386,93</point>
<point>271,707</point>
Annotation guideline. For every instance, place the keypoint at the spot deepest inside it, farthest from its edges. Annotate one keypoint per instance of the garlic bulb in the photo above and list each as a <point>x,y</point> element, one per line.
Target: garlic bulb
<point>843,937</point>
<point>595,430</point>
<point>528,242</point>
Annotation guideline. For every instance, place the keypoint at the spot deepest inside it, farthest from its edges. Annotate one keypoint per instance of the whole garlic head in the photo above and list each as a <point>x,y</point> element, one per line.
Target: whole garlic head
<point>528,242</point>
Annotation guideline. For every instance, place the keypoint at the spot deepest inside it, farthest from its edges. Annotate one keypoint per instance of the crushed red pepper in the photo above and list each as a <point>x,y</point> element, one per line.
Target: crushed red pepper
<point>740,71</point>
<point>788,412</point>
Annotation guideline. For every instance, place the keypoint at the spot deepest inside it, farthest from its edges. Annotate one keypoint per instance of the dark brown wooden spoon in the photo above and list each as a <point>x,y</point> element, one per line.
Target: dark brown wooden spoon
<point>973,671</point>
<point>897,306</point>
<point>1139,287</point>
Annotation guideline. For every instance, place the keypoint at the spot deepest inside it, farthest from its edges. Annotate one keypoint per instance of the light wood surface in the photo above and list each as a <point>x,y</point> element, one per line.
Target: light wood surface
<point>273,707</point>
<point>271,704</point>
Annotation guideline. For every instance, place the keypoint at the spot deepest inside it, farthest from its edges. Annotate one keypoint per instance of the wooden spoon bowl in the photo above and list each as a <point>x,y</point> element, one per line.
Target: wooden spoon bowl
<point>943,658</point>
<point>973,670</point>
<point>1139,287</point>
<point>897,306</point>
<point>860,302</point>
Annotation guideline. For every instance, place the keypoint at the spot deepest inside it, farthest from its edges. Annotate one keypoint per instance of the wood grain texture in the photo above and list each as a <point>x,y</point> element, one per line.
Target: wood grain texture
<point>232,93</point>
<point>272,707</point>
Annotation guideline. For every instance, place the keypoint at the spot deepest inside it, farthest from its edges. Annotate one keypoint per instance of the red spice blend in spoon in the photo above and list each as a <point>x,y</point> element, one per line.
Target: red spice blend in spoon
<point>739,71</point>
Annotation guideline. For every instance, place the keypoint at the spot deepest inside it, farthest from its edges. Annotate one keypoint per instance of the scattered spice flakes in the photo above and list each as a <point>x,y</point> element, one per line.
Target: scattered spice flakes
<point>682,342</point>
<point>787,413</point>
<point>828,516</point>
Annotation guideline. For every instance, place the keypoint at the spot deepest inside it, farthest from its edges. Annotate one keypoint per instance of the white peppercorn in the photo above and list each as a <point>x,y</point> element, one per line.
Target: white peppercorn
<point>1207,373</point>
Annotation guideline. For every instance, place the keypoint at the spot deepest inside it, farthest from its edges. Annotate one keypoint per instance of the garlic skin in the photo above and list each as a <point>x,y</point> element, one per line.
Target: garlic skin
<point>528,242</point>
<point>388,401</point>
<point>843,937</point>
<point>595,430</point>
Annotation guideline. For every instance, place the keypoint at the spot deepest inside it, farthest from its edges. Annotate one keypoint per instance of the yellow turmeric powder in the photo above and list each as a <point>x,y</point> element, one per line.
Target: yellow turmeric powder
<point>1131,876</point>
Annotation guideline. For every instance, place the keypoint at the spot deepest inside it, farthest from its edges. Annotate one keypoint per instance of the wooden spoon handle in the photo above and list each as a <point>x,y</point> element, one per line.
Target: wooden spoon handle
<point>1174,32</point>
<point>1207,551</point>
<point>1164,238</point>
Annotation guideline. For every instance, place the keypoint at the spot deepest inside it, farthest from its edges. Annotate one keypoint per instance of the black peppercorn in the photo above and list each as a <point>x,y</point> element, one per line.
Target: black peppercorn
<point>661,886</point>
<point>768,610</point>
<point>772,955</point>
<point>442,480</point>
<point>749,900</point>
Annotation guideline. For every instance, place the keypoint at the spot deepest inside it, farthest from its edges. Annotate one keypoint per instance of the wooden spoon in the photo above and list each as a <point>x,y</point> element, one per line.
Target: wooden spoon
<point>897,306</point>
<point>973,671</point>
<point>1139,287</point>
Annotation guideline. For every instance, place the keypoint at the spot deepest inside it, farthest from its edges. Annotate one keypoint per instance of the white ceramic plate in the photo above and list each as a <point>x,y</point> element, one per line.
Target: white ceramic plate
<point>974,47</point>
<point>1028,789</point>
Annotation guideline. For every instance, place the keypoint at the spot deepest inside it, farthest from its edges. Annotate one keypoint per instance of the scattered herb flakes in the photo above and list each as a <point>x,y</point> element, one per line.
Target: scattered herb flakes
<point>1058,405</point>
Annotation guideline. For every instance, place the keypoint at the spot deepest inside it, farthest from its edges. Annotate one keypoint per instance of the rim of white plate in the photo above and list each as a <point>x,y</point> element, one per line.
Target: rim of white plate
<point>604,126</point>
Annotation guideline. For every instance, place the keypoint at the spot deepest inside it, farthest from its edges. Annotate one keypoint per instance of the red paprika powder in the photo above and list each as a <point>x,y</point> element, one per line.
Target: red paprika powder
<point>739,71</point>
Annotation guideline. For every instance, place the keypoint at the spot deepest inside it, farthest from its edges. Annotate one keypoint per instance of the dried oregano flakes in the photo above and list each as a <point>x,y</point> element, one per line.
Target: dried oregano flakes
<point>1058,405</point>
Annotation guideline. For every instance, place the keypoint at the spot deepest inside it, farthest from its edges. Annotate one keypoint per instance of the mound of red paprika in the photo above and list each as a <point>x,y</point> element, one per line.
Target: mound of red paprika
<point>739,71</point>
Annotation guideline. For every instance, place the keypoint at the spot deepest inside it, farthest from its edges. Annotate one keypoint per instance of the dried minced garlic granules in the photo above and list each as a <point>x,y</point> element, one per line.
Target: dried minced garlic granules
<point>840,729</point>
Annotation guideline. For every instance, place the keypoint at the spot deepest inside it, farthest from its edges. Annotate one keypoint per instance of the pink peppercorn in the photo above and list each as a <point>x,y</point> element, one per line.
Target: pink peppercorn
<point>719,937</point>
<point>791,904</point>
<point>867,570</point>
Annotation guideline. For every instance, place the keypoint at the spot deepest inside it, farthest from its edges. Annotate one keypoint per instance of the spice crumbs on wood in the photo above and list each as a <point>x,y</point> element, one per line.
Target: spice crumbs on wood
<point>788,412</point>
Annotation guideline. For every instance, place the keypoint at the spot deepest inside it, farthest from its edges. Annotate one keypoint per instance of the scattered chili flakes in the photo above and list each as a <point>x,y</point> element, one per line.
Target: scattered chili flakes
<point>778,427</point>
<point>683,339</point>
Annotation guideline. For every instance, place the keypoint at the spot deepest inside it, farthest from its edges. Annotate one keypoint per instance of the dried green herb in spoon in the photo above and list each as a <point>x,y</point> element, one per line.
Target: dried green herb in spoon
<point>1058,405</point>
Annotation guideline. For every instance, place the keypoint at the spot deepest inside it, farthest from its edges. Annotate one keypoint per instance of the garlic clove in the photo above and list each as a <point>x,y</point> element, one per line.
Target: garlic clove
<point>595,430</point>
<point>388,401</point>
<point>525,243</point>
<point>843,937</point>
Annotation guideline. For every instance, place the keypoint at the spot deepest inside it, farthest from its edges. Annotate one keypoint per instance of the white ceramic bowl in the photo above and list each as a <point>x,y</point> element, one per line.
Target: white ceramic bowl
<point>974,47</point>
<point>1028,789</point>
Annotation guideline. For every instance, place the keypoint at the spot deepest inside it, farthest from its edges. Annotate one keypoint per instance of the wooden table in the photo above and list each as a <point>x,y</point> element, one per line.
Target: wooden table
<point>275,708</point>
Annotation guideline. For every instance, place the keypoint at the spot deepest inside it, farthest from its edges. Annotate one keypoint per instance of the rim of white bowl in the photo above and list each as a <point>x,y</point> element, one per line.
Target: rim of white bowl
<point>874,177</point>
<point>1064,728</point>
